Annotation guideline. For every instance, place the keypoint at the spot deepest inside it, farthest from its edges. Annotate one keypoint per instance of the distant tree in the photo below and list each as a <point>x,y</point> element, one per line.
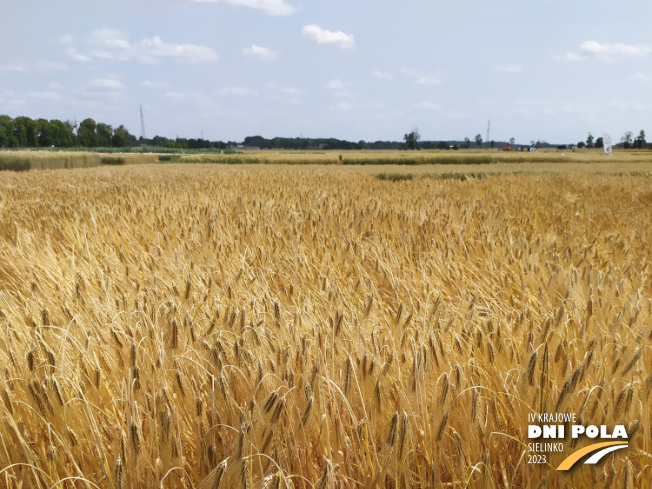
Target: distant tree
<point>412,140</point>
<point>86,133</point>
<point>627,139</point>
<point>581,144</point>
<point>589,141</point>
<point>599,143</point>
<point>467,143</point>
<point>493,143</point>
<point>45,133</point>
<point>512,141</point>
<point>478,140</point>
<point>455,147</point>
<point>72,126</point>
<point>183,143</point>
<point>122,138</point>
<point>25,131</point>
<point>160,141</point>
<point>257,142</point>
<point>639,142</point>
<point>103,135</point>
<point>7,138</point>
<point>443,145</point>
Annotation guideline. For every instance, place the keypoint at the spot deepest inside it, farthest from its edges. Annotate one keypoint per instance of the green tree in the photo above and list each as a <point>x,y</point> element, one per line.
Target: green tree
<point>478,140</point>
<point>25,132</point>
<point>7,138</point>
<point>86,133</point>
<point>362,144</point>
<point>589,141</point>
<point>103,135</point>
<point>599,143</point>
<point>412,140</point>
<point>627,139</point>
<point>63,135</point>
<point>160,141</point>
<point>640,142</point>
<point>46,133</point>
<point>467,143</point>
<point>512,141</point>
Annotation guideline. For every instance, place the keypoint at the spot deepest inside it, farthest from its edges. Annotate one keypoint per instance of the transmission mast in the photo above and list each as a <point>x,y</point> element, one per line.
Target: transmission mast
<point>142,123</point>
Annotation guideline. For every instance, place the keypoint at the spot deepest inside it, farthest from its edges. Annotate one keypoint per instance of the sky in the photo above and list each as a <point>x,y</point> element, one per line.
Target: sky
<point>370,70</point>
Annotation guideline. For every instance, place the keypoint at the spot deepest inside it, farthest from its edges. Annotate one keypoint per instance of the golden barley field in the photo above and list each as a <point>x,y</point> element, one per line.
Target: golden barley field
<point>210,326</point>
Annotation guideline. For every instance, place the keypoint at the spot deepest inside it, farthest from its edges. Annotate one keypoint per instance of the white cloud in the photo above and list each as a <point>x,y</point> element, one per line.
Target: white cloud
<point>182,96</point>
<point>374,105</point>
<point>509,69</point>
<point>45,66</point>
<point>338,88</point>
<point>576,109</point>
<point>151,50</point>
<point>10,101</point>
<point>642,77</point>
<point>101,92</point>
<point>153,84</point>
<point>316,34</point>
<point>344,106</point>
<point>104,84</point>
<point>628,106</point>
<point>381,74</point>
<point>12,69</point>
<point>270,7</point>
<point>41,66</point>
<point>259,53</point>
<point>335,84</point>
<point>288,95</point>
<point>14,101</point>
<point>607,52</point>
<point>111,44</point>
<point>421,79</point>
<point>409,72</point>
<point>428,80</point>
<point>426,106</point>
<point>43,96</point>
<point>237,92</point>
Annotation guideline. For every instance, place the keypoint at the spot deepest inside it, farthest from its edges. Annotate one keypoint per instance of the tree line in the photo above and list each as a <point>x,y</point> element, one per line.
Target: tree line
<point>626,140</point>
<point>24,132</point>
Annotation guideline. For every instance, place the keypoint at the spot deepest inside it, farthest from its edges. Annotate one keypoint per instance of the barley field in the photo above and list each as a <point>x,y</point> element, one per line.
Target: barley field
<point>212,326</point>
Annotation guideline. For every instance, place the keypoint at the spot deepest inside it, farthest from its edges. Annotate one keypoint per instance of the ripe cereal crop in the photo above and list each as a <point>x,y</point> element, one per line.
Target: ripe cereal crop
<point>210,326</point>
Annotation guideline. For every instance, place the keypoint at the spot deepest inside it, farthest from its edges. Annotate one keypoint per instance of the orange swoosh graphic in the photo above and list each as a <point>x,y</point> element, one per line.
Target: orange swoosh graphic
<point>574,457</point>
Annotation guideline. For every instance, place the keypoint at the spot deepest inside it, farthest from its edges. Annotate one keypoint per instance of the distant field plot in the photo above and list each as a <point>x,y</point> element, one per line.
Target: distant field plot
<point>52,160</point>
<point>591,161</point>
<point>425,157</point>
<point>179,326</point>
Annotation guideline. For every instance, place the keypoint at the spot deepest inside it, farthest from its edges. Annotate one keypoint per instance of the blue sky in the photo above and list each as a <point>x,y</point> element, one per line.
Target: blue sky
<point>373,70</point>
